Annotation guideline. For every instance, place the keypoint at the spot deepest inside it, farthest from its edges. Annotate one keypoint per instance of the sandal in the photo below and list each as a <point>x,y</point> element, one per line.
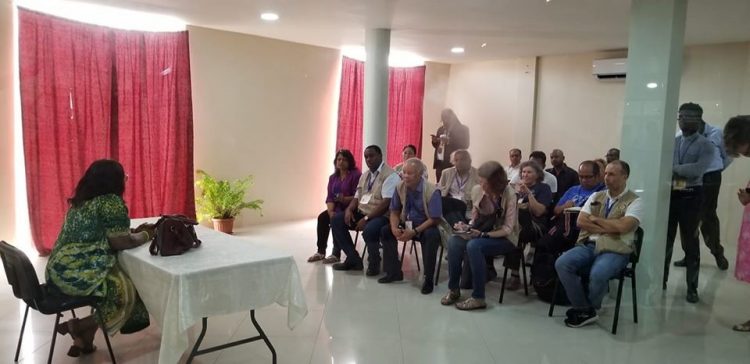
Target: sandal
<point>471,304</point>
<point>743,327</point>
<point>450,298</point>
<point>331,259</point>
<point>316,257</point>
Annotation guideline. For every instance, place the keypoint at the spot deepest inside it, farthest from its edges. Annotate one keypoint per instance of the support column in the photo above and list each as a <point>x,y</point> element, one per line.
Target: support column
<point>375,123</point>
<point>655,51</point>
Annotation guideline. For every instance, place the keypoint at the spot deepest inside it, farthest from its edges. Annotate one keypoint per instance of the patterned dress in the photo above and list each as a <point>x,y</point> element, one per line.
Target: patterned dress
<point>742,269</point>
<point>83,264</point>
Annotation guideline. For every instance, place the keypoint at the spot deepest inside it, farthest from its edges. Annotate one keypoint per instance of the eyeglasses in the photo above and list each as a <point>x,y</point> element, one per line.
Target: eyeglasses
<point>583,176</point>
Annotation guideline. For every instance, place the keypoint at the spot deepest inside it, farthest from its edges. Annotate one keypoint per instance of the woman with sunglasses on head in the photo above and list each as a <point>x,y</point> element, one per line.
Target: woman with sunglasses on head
<point>341,187</point>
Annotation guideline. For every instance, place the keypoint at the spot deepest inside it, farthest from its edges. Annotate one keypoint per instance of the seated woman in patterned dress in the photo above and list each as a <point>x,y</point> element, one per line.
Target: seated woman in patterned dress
<point>84,261</point>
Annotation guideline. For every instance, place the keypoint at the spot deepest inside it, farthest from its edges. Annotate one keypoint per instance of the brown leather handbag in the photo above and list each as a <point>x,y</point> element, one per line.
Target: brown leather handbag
<point>175,234</point>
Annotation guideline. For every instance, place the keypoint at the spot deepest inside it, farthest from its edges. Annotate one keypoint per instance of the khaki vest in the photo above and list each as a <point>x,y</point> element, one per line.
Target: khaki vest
<point>448,178</point>
<point>614,243</point>
<point>377,188</point>
<point>443,227</point>
<point>509,195</point>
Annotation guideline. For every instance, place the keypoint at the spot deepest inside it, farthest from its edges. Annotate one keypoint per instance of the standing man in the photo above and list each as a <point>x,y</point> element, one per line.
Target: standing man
<point>451,136</point>
<point>515,160</point>
<point>367,212</point>
<point>693,154</point>
<point>711,185</point>
<point>566,177</point>
<point>612,155</point>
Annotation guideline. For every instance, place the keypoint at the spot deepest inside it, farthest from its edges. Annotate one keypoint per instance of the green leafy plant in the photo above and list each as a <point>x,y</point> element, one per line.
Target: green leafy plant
<point>222,199</point>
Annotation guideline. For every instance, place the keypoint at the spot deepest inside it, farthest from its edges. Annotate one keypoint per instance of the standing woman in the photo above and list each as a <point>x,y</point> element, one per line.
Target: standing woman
<point>341,187</point>
<point>737,142</point>
<point>84,259</point>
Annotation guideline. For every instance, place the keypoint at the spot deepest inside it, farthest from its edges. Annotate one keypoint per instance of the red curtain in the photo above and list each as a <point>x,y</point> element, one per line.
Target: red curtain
<point>349,131</point>
<point>85,96</point>
<point>405,97</point>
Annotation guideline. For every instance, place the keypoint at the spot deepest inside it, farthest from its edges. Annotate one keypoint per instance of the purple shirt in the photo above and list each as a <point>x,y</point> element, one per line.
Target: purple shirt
<point>415,206</point>
<point>346,188</point>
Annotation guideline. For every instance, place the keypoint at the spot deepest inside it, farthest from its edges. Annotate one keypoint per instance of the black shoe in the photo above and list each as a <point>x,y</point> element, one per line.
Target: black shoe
<point>692,296</point>
<point>680,263</point>
<point>582,318</point>
<point>372,270</point>
<point>427,287</point>
<point>571,312</point>
<point>392,278</point>
<point>721,262</point>
<point>347,266</point>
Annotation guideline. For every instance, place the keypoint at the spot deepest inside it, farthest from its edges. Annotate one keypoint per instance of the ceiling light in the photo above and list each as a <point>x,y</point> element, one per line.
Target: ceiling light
<point>484,45</point>
<point>651,85</point>
<point>269,16</point>
<point>457,50</point>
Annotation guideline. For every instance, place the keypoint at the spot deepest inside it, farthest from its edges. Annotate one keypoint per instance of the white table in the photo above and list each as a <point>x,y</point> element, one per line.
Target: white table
<point>224,275</point>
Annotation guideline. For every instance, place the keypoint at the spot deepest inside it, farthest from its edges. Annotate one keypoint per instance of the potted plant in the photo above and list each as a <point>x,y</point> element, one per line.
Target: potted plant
<point>222,200</point>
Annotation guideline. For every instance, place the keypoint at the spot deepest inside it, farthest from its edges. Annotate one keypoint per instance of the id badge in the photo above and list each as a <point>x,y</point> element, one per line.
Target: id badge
<point>679,184</point>
<point>365,199</point>
<point>408,225</point>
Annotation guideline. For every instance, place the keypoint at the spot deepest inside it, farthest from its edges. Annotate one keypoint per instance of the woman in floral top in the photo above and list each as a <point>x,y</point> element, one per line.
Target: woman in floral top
<point>84,261</point>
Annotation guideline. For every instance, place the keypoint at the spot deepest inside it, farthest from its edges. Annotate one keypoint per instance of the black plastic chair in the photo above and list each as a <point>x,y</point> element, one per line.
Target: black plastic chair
<point>519,250</point>
<point>22,277</point>
<point>414,251</point>
<point>627,272</point>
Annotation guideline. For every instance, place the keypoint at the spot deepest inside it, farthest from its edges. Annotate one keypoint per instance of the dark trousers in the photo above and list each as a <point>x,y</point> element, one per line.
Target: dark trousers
<point>684,211</point>
<point>709,220</point>
<point>454,210</point>
<point>324,228</point>
<point>430,240</point>
<point>370,234</point>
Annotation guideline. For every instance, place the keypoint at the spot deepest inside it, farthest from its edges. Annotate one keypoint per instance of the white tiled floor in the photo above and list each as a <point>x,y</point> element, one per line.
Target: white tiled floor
<point>353,319</point>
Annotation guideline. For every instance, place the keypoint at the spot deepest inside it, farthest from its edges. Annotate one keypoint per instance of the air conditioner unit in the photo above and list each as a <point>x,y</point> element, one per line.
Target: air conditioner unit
<point>607,69</point>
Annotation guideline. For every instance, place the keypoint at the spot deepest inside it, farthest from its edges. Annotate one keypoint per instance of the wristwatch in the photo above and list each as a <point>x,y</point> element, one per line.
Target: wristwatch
<point>367,218</point>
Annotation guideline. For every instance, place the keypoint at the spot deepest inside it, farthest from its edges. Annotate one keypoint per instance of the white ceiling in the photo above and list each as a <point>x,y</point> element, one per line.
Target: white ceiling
<point>511,28</point>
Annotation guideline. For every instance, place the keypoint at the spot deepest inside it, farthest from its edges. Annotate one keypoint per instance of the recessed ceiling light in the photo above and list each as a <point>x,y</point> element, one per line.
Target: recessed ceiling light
<point>484,45</point>
<point>457,50</point>
<point>652,85</point>
<point>269,16</point>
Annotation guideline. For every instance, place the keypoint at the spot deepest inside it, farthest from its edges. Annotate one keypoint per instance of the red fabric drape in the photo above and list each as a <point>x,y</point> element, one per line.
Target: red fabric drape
<point>154,111</point>
<point>66,82</point>
<point>351,99</point>
<point>87,96</point>
<point>405,97</point>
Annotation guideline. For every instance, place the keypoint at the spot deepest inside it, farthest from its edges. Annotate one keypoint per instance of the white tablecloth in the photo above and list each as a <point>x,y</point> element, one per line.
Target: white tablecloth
<point>224,275</point>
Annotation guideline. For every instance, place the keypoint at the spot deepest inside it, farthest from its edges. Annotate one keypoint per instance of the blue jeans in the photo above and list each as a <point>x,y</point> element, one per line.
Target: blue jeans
<point>582,261</point>
<point>371,236</point>
<point>476,249</point>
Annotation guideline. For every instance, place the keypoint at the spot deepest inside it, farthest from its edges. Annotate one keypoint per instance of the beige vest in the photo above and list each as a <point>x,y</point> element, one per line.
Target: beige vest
<point>448,178</point>
<point>614,243</point>
<point>443,227</point>
<point>509,197</point>
<point>376,190</point>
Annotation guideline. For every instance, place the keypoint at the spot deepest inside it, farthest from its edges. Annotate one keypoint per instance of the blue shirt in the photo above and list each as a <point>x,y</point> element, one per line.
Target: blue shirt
<point>692,156</point>
<point>415,205</point>
<point>579,195</point>
<point>714,135</point>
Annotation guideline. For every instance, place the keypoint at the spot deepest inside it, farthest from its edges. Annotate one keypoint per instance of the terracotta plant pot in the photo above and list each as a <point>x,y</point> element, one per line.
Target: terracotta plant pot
<point>224,225</point>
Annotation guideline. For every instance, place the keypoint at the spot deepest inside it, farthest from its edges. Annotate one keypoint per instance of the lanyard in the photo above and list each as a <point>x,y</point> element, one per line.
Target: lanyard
<point>608,207</point>
<point>460,184</point>
<point>680,156</point>
<point>371,180</point>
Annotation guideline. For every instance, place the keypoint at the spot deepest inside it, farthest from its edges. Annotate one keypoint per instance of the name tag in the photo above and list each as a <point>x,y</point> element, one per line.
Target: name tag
<point>679,184</point>
<point>365,199</point>
<point>409,225</point>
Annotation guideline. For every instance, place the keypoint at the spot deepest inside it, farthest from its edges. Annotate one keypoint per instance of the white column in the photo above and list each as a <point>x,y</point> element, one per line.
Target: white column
<point>375,128</point>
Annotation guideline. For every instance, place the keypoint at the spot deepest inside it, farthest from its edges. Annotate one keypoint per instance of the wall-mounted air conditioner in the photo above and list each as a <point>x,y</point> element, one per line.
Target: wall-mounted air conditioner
<point>607,69</point>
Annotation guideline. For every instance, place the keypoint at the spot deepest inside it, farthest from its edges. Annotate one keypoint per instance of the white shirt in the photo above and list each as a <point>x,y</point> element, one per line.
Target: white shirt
<point>513,172</point>
<point>634,210</point>
<point>549,180</point>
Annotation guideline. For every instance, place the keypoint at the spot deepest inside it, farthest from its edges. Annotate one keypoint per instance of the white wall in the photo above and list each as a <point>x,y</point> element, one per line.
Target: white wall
<point>7,191</point>
<point>266,107</point>
<point>495,100</point>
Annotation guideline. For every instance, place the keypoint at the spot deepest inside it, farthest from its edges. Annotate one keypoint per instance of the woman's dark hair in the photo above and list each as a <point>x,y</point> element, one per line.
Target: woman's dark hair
<point>103,177</point>
<point>736,134</point>
<point>495,175</point>
<point>349,159</point>
<point>536,167</point>
<point>410,146</point>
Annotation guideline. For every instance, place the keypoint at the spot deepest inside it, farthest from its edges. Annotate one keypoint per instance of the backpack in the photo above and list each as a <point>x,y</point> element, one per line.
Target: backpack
<point>175,234</point>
